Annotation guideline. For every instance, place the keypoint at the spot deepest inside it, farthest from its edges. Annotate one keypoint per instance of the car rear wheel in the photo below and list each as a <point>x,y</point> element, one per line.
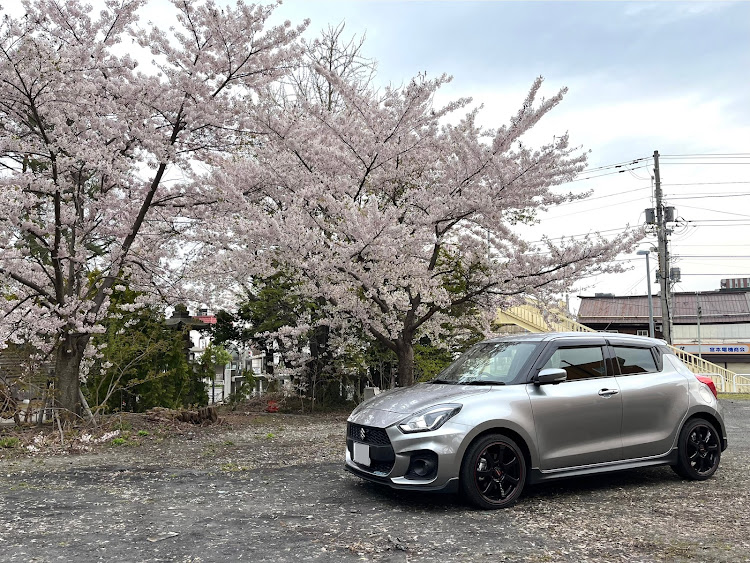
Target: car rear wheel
<point>493,472</point>
<point>699,450</point>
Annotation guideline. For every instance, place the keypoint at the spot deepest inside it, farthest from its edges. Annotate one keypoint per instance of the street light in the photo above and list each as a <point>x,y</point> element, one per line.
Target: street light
<point>650,302</point>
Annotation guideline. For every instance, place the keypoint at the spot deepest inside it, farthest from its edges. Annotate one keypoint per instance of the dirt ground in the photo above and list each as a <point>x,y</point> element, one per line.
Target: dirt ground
<point>271,487</point>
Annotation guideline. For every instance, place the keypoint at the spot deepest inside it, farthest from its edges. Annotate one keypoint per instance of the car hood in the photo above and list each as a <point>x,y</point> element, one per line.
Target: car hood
<point>390,407</point>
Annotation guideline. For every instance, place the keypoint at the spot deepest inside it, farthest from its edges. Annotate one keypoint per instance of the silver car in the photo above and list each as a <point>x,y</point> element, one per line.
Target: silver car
<point>530,408</point>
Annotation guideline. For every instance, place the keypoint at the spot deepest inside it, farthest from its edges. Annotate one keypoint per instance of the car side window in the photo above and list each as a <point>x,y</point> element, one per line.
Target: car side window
<point>634,360</point>
<point>580,362</point>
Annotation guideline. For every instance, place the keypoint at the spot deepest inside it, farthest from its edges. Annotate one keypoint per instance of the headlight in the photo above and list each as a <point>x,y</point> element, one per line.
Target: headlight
<point>429,419</point>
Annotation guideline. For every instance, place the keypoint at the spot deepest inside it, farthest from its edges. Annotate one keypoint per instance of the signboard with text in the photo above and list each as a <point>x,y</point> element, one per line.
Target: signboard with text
<point>716,348</point>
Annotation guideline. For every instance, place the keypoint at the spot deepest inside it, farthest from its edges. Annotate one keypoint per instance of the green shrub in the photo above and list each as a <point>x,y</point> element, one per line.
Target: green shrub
<point>9,442</point>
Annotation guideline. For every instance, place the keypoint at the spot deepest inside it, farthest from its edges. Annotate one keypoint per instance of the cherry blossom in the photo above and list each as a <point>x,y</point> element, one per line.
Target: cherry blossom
<point>401,216</point>
<point>101,160</point>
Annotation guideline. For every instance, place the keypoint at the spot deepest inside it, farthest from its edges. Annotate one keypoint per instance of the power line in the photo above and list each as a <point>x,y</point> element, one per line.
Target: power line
<point>716,211</point>
<point>719,220</point>
<point>617,164</point>
<point>586,210</point>
<point>711,256</point>
<point>607,174</point>
<point>586,200</point>
<point>590,233</point>
<point>706,183</point>
<point>725,225</point>
<point>708,196</point>
<point>695,163</point>
<point>713,245</point>
<point>709,155</point>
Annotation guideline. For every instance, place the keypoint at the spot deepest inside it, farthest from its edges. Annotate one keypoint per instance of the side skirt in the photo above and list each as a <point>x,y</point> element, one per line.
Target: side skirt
<point>537,475</point>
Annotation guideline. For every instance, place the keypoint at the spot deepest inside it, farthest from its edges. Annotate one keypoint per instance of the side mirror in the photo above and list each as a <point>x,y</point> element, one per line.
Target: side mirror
<point>550,375</point>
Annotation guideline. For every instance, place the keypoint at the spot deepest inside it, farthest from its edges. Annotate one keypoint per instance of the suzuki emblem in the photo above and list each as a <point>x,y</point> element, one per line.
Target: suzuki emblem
<point>362,433</point>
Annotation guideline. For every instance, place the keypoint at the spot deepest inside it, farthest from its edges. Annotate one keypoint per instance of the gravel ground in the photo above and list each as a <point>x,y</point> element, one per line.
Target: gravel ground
<point>272,488</point>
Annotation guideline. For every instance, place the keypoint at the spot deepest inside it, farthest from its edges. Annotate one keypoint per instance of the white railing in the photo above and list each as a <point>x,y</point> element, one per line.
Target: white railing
<point>699,365</point>
<point>741,383</point>
<point>529,317</point>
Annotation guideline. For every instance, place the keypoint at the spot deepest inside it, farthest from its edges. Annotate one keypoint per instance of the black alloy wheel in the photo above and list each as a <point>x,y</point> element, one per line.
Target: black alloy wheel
<point>699,450</point>
<point>493,472</point>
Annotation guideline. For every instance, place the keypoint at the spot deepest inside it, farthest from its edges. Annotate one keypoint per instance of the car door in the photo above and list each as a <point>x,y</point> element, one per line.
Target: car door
<point>578,421</point>
<point>654,400</point>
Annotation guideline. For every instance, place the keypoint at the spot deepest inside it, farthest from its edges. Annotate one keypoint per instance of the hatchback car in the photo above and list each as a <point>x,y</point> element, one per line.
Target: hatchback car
<point>530,408</point>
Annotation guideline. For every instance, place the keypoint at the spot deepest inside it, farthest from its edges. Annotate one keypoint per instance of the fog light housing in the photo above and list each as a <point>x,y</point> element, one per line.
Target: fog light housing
<point>423,465</point>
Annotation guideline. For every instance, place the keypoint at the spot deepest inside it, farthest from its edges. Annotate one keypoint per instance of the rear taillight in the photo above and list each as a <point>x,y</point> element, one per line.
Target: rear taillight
<point>710,382</point>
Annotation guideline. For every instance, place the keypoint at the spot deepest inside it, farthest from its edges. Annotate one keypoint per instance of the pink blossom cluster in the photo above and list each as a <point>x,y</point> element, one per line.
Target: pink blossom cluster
<point>239,150</point>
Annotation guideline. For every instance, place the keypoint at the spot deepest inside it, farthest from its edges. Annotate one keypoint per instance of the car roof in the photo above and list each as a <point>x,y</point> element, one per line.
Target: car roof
<point>550,336</point>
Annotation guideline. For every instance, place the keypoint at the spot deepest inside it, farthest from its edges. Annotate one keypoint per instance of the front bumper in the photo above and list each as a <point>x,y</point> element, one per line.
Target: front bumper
<point>450,487</point>
<point>390,461</point>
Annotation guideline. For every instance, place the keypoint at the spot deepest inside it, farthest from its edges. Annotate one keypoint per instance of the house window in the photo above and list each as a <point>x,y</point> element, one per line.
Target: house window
<point>641,332</point>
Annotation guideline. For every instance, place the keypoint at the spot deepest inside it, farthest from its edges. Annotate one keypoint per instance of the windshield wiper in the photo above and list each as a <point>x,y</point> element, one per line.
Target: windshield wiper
<point>442,381</point>
<point>484,382</point>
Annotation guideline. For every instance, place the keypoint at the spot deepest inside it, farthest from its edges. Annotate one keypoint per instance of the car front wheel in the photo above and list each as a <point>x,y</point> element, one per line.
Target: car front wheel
<point>699,450</point>
<point>493,472</point>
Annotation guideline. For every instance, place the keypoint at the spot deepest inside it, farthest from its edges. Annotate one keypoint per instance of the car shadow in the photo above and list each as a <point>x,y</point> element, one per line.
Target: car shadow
<point>573,487</point>
<point>591,484</point>
<point>408,500</point>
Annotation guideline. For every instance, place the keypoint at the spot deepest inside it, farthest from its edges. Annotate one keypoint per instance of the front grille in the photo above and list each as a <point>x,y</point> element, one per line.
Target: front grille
<point>371,435</point>
<point>382,457</point>
<point>379,467</point>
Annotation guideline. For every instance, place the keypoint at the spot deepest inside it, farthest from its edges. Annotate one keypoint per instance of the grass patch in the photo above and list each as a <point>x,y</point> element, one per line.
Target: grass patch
<point>23,485</point>
<point>119,442</point>
<point>10,442</point>
<point>232,467</point>
<point>122,425</point>
<point>736,396</point>
<point>143,432</point>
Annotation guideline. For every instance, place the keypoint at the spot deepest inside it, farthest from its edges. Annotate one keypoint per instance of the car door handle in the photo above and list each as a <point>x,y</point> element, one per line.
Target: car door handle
<point>608,392</point>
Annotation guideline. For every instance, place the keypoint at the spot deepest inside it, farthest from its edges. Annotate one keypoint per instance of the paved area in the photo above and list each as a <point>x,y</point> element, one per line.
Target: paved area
<point>104,508</point>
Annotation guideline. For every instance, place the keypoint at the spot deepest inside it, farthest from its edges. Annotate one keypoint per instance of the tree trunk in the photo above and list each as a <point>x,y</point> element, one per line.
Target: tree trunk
<point>67,372</point>
<point>405,353</point>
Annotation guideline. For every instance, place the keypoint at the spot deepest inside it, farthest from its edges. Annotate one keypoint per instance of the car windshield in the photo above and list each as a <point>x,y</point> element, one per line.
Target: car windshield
<point>488,362</point>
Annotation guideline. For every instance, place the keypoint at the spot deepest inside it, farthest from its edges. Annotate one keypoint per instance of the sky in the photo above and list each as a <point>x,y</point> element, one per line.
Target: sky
<point>641,76</point>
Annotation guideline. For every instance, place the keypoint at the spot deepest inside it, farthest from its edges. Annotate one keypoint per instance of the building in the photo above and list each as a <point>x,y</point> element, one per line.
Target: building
<point>228,378</point>
<point>712,324</point>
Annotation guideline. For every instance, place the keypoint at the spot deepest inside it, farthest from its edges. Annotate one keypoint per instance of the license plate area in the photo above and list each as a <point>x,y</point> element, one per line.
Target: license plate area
<point>361,454</point>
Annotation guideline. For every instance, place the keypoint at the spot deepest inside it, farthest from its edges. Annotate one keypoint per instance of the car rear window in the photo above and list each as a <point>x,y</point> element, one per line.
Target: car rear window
<point>634,360</point>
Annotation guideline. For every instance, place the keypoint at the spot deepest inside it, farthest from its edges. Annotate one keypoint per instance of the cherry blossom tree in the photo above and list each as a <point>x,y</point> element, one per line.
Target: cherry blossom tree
<point>100,160</point>
<point>338,56</point>
<point>401,216</point>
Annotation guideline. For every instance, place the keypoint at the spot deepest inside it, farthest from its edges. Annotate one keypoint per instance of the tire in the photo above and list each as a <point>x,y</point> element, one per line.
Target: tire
<point>699,450</point>
<point>493,472</point>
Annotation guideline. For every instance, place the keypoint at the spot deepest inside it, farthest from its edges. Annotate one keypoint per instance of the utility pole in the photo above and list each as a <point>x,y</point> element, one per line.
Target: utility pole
<point>650,298</point>
<point>698,312</point>
<point>661,231</point>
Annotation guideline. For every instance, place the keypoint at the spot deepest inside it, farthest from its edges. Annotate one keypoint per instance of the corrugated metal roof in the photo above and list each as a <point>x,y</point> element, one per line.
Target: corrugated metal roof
<point>716,307</point>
